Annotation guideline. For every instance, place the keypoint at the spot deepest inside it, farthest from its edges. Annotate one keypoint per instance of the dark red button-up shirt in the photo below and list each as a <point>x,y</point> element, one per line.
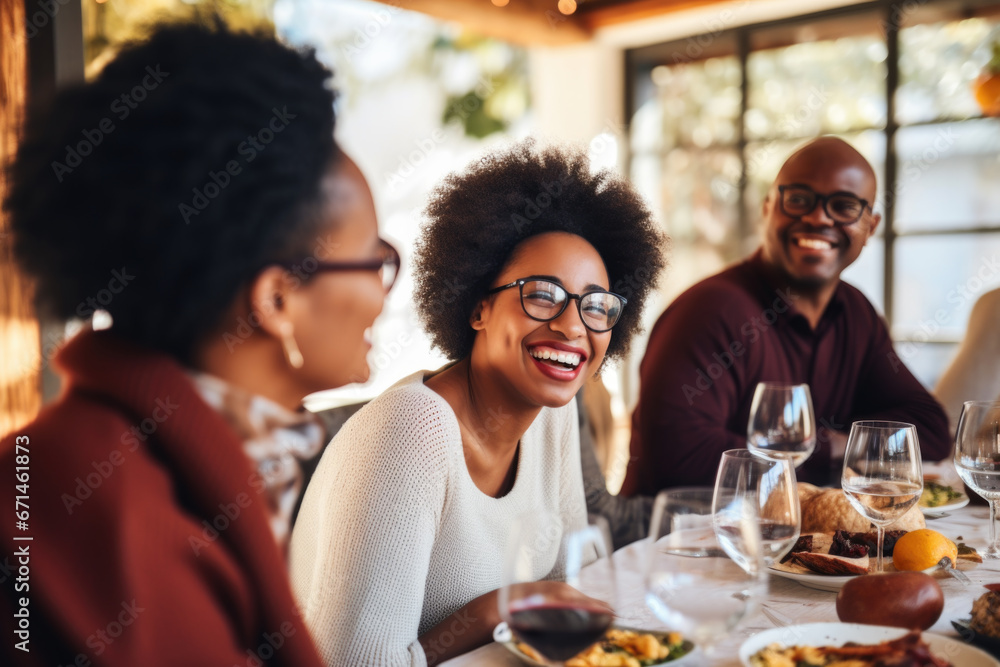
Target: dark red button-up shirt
<point>717,340</point>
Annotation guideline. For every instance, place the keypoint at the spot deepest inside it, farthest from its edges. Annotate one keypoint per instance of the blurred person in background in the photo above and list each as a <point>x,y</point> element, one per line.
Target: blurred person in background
<point>974,373</point>
<point>782,315</point>
<point>628,517</point>
<point>531,271</point>
<point>195,192</point>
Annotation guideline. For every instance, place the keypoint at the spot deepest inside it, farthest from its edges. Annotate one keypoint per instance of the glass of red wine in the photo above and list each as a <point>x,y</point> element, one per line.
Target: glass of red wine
<point>559,592</point>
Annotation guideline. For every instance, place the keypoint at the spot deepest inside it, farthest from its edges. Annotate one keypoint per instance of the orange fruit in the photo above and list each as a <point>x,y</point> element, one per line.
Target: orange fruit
<point>987,91</point>
<point>922,549</point>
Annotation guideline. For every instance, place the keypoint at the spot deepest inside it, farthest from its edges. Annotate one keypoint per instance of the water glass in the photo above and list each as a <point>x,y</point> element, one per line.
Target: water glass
<point>977,459</point>
<point>698,583</point>
<point>781,422</point>
<point>882,477</point>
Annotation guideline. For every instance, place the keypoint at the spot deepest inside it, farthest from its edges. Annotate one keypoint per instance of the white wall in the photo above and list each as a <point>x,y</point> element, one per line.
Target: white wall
<point>577,92</point>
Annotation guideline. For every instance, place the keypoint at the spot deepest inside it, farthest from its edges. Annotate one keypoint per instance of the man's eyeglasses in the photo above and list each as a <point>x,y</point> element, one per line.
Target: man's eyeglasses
<point>843,208</point>
<point>387,264</point>
<point>543,300</point>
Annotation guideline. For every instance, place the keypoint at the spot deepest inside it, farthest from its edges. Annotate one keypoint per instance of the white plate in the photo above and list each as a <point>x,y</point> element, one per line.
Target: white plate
<point>957,503</point>
<point>820,582</point>
<point>501,634</point>
<point>837,634</point>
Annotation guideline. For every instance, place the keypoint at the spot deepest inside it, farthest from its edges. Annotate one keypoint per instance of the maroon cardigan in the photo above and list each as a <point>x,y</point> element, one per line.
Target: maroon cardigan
<point>150,541</point>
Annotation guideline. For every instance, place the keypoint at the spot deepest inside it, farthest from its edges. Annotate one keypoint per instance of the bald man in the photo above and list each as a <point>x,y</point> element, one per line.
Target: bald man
<point>782,315</point>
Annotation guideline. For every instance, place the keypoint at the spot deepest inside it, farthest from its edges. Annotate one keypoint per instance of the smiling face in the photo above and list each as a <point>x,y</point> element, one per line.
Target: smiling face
<point>546,363</point>
<point>811,250</point>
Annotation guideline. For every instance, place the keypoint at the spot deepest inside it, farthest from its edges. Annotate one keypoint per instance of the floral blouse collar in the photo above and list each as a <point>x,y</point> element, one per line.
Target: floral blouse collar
<point>275,438</point>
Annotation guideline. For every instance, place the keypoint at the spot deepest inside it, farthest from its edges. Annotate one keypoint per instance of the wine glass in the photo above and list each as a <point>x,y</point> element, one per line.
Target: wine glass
<point>555,617</point>
<point>698,581</point>
<point>781,423</point>
<point>770,485</point>
<point>977,458</point>
<point>882,475</point>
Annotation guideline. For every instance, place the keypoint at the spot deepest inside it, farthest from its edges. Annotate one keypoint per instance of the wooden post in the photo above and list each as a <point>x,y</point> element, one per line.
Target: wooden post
<point>20,348</point>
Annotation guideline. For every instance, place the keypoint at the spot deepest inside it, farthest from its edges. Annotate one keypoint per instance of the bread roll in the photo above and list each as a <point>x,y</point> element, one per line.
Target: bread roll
<point>829,510</point>
<point>807,490</point>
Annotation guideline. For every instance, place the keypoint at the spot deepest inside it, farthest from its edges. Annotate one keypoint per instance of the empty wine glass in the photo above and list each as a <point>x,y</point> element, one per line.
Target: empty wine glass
<point>781,423</point>
<point>555,617</point>
<point>883,477</point>
<point>769,484</point>
<point>977,458</point>
<point>699,582</point>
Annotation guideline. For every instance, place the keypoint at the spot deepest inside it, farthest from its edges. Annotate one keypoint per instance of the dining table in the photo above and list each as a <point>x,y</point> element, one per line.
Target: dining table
<point>786,603</point>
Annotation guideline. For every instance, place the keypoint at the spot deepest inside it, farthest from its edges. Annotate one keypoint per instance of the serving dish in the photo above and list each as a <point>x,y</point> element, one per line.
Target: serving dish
<point>960,501</point>
<point>838,634</point>
<point>957,503</point>
<point>989,644</point>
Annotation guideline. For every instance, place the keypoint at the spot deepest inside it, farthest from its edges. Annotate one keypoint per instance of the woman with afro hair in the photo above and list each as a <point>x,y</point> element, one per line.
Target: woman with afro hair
<point>235,248</point>
<point>531,273</point>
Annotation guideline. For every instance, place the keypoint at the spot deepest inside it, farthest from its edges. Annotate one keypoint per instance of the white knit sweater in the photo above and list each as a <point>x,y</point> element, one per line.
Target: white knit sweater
<point>394,536</point>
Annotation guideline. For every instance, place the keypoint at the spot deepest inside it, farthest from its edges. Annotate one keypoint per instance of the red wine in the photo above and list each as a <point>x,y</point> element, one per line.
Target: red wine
<point>559,632</point>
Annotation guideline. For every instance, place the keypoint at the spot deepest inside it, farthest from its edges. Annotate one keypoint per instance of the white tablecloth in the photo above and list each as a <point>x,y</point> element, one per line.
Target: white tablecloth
<point>785,599</point>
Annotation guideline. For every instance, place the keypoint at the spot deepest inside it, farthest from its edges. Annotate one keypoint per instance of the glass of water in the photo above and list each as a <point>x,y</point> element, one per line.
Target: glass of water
<point>770,485</point>
<point>977,458</point>
<point>698,582</point>
<point>883,476</point>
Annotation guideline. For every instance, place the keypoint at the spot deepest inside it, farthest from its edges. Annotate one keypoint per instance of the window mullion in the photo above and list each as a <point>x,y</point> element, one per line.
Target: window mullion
<point>891,161</point>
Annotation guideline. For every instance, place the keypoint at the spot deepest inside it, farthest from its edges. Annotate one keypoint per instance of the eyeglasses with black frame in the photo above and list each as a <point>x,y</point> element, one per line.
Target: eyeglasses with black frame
<point>844,208</point>
<point>387,264</point>
<point>543,301</point>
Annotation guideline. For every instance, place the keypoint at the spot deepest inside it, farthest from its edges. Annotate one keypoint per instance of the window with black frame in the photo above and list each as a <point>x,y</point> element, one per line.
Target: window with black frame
<point>710,127</point>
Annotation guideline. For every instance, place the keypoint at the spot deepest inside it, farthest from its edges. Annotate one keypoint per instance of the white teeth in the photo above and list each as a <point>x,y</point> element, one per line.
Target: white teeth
<point>815,244</point>
<point>562,357</point>
<point>368,335</point>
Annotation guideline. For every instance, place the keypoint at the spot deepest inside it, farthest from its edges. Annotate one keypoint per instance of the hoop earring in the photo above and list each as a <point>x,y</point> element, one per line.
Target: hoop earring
<point>291,348</point>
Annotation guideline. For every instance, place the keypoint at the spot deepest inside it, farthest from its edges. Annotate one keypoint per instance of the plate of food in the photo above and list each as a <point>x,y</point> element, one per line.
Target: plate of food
<point>983,627</point>
<point>628,647</point>
<point>837,543</point>
<point>938,498</point>
<point>819,644</point>
<point>826,562</point>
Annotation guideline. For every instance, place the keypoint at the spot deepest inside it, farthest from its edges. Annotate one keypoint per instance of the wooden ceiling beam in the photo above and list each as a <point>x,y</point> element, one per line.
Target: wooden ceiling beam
<point>595,14</point>
<point>526,22</point>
